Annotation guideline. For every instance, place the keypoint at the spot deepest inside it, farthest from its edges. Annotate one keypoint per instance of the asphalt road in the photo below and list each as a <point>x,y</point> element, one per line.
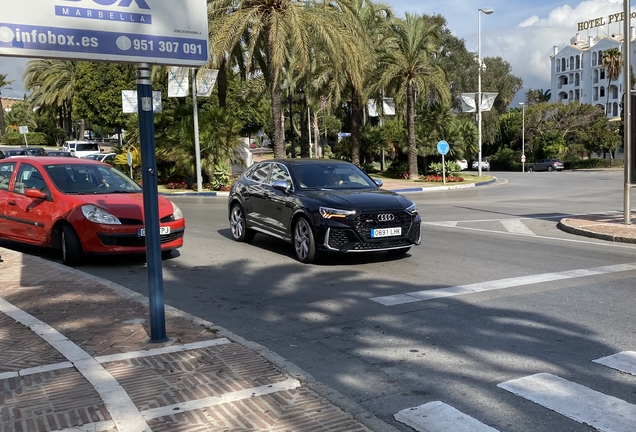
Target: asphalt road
<point>347,321</point>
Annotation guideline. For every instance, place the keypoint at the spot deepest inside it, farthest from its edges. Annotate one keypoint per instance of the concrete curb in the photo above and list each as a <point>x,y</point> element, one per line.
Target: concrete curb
<point>343,402</point>
<point>443,188</point>
<point>202,194</point>
<point>564,226</point>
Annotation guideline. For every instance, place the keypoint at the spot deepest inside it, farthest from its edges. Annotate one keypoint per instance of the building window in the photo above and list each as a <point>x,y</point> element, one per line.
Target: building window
<point>572,63</point>
<point>595,94</point>
<point>577,95</point>
<point>578,62</point>
<point>615,109</point>
<point>593,59</point>
<point>577,80</point>
<point>602,74</point>
<point>558,65</point>
<point>601,92</point>
<point>571,96</point>
<point>614,92</point>
<point>563,64</point>
<point>595,76</point>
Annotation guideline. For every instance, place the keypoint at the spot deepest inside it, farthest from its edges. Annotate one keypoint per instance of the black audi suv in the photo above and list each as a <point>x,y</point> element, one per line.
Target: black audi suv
<point>321,205</point>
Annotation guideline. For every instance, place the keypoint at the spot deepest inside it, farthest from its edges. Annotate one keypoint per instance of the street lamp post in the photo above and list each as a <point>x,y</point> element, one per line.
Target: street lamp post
<point>486,11</point>
<point>523,136</point>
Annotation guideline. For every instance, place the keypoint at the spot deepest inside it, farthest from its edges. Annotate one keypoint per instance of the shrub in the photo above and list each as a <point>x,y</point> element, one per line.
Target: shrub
<point>221,177</point>
<point>439,179</point>
<point>367,167</point>
<point>452,168</point>
<point>33,138</point>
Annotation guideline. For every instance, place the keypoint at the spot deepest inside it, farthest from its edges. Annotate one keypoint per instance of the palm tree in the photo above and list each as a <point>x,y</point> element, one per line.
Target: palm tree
<point>53,84</point>
<point>285,29</point>
<point>4,83</point>
<point>611,64</point>
<point>408,64</point>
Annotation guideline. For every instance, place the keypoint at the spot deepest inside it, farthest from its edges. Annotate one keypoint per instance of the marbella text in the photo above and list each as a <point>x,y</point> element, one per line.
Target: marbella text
<point>599,22</point>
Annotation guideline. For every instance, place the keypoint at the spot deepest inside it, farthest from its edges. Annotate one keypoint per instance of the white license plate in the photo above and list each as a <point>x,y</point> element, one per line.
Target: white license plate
<point>162,231</point>
<point>386,232</point>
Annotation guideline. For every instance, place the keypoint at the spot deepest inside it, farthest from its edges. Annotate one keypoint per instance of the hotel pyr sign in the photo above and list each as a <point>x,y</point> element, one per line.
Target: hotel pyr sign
<point>600,22</point>
<point>132,31</point>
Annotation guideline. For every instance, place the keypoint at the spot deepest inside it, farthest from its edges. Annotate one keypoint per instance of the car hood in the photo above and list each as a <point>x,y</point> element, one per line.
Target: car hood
<point>363,200</point>
<point>125,205</point>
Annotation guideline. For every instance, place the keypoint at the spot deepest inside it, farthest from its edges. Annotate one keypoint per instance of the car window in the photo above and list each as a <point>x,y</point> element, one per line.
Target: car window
<point>29,177</point>
<point>87,147</point>
<point>261,173</point>
<point>279,172</point>
<point>332,176</point>
<point>6,170</point>
<point>90,179</point>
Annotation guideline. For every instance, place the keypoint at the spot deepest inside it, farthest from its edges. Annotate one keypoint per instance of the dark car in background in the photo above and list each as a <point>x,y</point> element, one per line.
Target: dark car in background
<point>35,151</point>
<point>59,153</point>
<point>15,152</point>
<point>321,206</point>
<point>546,165</point>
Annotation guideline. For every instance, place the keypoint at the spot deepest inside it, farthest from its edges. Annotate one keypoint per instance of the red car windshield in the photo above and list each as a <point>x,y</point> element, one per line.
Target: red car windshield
<point>90,179</point>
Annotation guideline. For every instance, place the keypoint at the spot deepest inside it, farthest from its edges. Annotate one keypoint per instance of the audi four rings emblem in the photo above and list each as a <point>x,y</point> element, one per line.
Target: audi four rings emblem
<point>385,217</point>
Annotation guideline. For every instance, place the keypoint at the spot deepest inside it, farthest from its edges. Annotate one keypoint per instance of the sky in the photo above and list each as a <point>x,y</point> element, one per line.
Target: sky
<point>522,32</point>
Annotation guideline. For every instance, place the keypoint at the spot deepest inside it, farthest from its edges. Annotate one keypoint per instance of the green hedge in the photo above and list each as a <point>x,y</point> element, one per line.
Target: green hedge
<point>33,138</point>
<point>593,163</point>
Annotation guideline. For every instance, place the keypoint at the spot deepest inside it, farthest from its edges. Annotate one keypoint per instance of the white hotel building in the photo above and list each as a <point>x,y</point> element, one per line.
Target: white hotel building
<point>577,74</point>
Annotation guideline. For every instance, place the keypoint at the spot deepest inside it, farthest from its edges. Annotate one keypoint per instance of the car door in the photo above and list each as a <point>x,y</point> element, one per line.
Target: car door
<point>277,204</point>
<point>255,194</point>
<point>6,173</point>
<point>30,218</point>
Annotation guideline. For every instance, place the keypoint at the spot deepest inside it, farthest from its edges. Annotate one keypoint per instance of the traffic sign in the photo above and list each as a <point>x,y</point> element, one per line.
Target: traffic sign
<point>443,147</point>
<point>125,31</point>
<point>260,134</point>
<point>23,129</point>
<point>523,158</point>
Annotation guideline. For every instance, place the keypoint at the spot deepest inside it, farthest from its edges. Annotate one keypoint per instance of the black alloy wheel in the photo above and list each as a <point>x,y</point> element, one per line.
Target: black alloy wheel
<point>530,169</point>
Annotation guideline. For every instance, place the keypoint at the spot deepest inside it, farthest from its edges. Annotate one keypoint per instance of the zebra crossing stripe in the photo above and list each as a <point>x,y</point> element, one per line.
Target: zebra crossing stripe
<point>440,417</point>
<point>584,405</point>
<point>425,295</point>
<point>516,226</point>
<point>624,361</point>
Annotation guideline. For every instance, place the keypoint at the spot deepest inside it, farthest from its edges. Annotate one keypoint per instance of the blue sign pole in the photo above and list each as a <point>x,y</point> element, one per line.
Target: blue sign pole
<point>443,148</point>
<point>151,204</point>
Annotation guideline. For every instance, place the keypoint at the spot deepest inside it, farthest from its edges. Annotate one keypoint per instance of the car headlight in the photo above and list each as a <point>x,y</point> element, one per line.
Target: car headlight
<point>100,216</point>
<point>412,208</point>
<point>176,211</point>
<point>328,213</point>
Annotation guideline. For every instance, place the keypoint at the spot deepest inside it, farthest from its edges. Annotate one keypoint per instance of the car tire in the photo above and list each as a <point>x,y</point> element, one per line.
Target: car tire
<point>399,252</point>
<point>550,169</point>
<point>167,254</point>
<point>530,169</point>
<point>72,252</point>
<point>304,241</point>
<point>238,226</point>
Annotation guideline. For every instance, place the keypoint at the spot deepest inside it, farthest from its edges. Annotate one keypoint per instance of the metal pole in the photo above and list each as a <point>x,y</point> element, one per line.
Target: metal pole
<point>197,146</point>
<point>309,130</point>
<point>151,204</point>
<point>523,137</point>
<point>478,101</point>
<point>627,107</point>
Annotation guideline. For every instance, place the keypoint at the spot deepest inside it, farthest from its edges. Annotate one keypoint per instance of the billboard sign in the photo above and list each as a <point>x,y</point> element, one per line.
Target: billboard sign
<point>124,31</point>
<point>129,102</point>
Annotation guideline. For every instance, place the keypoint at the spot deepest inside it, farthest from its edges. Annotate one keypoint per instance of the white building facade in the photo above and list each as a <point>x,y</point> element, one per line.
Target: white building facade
<point>577,74</point>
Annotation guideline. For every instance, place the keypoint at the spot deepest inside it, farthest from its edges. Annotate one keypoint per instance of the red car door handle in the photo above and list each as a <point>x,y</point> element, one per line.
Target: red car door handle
<point>12,203</point>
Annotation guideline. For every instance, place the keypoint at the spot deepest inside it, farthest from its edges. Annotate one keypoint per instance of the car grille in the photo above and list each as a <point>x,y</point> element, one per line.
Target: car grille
<point>125,221</point>
<point>369,220</point>
<point>337,238</point>
<point>132,240</point>
<point>382,245</point>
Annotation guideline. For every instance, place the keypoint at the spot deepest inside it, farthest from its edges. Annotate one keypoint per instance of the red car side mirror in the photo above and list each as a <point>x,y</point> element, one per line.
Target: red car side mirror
<point>35,193</point>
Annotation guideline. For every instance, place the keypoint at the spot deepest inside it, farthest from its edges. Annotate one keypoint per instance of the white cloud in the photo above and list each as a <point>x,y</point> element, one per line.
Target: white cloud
<point>530,21</point>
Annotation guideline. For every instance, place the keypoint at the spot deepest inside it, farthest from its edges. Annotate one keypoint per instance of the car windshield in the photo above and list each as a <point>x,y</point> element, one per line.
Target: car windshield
<point>90,179</point>
<point>331,176</point>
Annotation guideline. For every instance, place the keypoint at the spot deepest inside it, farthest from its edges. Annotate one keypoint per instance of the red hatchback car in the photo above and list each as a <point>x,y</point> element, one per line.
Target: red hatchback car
<point>80,207</point>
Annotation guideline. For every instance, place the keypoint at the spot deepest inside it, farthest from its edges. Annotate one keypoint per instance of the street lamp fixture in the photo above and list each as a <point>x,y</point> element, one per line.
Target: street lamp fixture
<point>486,11</point>
<point>523,136</point>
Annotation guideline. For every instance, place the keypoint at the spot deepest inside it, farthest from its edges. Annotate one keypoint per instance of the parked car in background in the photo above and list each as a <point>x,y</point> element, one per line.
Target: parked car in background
<point>79,207</point>
<point>82,148</point>
<point>546,165</point>
<point>463,164</point>
<point>319,206</point>
<point>35,151</point>
<point>15,152</point>
<point>101,157</point>
<point>485,165</point>
<point>59,153</point>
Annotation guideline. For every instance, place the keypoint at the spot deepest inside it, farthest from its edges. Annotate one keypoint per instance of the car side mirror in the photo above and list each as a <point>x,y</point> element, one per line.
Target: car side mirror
<point>378,182</point>
<point>35,193</point>
<point>282,185</point>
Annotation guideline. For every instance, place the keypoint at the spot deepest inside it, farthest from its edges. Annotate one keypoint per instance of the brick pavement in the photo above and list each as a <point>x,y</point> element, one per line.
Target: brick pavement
<point>75,356</point>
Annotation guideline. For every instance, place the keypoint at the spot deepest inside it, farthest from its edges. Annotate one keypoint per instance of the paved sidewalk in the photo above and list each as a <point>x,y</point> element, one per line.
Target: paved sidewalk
<point>75,356</point>
<point>602,226</point>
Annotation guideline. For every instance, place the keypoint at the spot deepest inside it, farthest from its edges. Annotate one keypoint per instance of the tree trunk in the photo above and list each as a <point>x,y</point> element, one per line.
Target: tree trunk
<point>304,131</point>
<point>317,147</point>
<point>81,129</point>
<point>355,127</point>
<point>1,118</point>
<point>222,83</point>
<point>279,144</point>
<point>410,127</point>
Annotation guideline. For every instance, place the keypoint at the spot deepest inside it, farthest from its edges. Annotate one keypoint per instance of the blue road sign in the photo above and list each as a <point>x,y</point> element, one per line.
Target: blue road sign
<point>260,134</point>
<point>443,147</point>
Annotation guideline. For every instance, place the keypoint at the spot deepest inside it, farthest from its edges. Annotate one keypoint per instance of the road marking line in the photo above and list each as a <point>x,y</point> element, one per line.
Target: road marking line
<point>289,384</point>
<point>163,350</point>
<point>425,295</point>
<point>90,427</point>
<point>624,361</point>
<point>602,412</point>
<point>516,226</point>
<point>122,410</point>
<point>444,224</point>
<point>440,417</point>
